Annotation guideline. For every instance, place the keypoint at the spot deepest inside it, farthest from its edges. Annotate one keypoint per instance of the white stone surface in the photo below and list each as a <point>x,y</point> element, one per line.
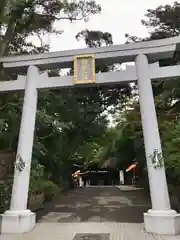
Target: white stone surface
<point>127,75</point>
<point>17,222</point>
<point>67,231</point>
<point>166,223</point>
<point>157,177</point>
<point>156,49</point>
<point>161,215</point>
<point>25,143</point>
<point>18,215</point>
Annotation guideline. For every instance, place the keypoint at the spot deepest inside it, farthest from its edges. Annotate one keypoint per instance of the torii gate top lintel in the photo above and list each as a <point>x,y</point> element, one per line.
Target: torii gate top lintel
<point>155,50</point>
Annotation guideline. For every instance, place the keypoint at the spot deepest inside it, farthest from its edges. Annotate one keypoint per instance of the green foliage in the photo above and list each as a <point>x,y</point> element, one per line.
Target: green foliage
<point>21,19</point>
<point>5,195</point>
<point>36,179</point>
<point>125,141</point>
<point>95,38</point>
<point>49,189</point>
<point>67,118</point>
<point>171,142</point>
<point>39,184</point>
<point>71,124</point>
<point>163,22</point>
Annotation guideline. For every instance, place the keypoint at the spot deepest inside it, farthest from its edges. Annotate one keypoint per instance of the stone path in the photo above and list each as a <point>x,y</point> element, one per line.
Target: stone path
<point>100,210</point>
<point>97,204</point>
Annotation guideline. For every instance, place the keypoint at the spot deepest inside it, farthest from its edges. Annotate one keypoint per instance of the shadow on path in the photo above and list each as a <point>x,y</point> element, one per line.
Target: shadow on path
<point>96,204</point>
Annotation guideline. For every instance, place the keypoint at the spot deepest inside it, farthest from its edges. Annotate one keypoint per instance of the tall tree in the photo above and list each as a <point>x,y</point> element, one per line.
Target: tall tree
<point>18,21</point>
<point>21,19</point>
<point>164,22</point>
<point>67,119</point>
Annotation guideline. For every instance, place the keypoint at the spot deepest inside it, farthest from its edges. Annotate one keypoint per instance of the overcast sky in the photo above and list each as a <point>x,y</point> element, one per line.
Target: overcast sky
<point>117,17</point>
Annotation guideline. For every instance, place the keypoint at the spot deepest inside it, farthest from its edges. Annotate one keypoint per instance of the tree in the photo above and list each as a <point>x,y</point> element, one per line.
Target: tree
<point>95,38</point>
<point>21,19</point>
<point>101,99</point>
<point>68,120</point>
<point>18,21</point>
<point>164,22</point>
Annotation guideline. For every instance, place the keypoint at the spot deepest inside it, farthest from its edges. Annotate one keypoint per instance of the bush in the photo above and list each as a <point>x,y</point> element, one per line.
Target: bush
<point>5,195</point>
<point>35,187</point>
<point>49,189</point>
<point>175,205</point>
<point>177,192</point>
<point>171,189</point>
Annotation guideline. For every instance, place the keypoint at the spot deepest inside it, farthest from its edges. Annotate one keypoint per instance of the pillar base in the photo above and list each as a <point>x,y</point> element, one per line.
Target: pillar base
<point>16,222</point>
<point>162,222</point>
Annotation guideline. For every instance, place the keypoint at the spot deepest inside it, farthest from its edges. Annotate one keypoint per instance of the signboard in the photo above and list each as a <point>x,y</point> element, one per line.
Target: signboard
<point>84,69</point>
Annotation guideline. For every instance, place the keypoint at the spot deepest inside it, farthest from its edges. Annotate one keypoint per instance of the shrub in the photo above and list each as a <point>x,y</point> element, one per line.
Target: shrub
<point>35,187</point>
<point>177,191</point>
<point>49,189</point>
<point>5,195</point>
<point>171,189</point>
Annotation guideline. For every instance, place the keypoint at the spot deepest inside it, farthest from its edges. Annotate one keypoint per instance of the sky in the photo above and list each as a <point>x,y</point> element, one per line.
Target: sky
<point>117,17</point>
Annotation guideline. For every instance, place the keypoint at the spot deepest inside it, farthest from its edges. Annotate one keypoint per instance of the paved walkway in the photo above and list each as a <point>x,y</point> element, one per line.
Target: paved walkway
<point>118,212</point>
<point>97,204</point>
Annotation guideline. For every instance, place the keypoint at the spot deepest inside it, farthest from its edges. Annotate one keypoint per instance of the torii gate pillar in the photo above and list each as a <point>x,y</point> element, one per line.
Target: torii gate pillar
<point>161,219</point>
<point>19,219</point>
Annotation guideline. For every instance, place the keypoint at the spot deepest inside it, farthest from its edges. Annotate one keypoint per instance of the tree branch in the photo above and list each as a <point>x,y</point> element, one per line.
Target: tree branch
<point>69,18</point>
<point>42,138</point>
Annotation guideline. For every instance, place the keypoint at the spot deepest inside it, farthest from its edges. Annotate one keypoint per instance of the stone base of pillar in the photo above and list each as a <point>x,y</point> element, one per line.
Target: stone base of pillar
<point>162,222</point>
<point>14,222</point>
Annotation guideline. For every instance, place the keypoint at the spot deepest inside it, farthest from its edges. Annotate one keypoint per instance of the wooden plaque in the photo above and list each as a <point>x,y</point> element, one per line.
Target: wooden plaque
<point>84,69</point>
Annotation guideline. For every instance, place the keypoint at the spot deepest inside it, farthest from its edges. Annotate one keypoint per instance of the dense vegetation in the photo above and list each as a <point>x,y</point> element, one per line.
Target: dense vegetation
<point>72,124</point>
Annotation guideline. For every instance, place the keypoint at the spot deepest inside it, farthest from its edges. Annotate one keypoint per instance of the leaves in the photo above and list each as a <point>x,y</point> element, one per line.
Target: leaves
<point>21,19</point>
<point>95,38</point>
<point>163,22</point>
<point>63,116</point>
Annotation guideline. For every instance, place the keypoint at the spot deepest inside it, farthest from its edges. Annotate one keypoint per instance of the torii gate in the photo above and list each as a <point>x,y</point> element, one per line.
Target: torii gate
<point>161,219</point>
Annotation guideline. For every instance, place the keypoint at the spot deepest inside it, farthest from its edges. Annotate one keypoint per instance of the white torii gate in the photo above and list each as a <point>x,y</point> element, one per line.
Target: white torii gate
<point>161,219</point>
